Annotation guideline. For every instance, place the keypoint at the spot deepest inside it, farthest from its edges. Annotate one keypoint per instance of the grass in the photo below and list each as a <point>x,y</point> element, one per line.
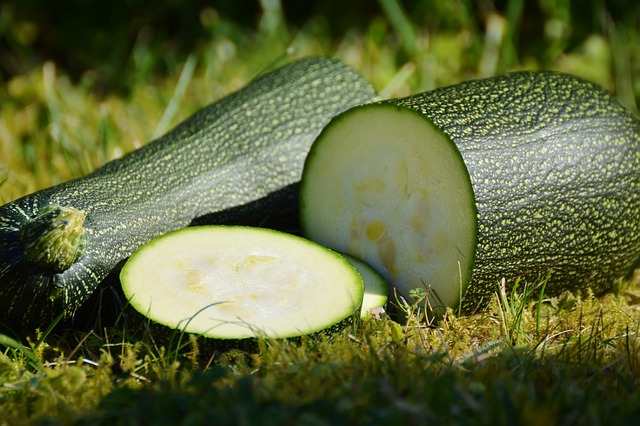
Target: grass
<point>529,359</point>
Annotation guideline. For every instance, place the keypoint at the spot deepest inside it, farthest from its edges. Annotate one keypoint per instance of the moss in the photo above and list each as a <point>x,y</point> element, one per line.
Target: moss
<point>577,358</point>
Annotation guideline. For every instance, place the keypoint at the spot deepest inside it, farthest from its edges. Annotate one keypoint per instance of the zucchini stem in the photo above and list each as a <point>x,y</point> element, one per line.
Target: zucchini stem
<point>54,239</point>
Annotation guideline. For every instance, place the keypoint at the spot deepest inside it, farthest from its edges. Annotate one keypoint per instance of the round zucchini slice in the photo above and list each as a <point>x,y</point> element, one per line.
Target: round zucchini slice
<point>233,282</point>
<point>375,288</point>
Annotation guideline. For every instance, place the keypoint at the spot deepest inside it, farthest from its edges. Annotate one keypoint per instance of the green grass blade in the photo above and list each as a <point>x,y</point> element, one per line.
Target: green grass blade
<point>183,329</point>
<point>509,54</point>
<point>401,24</point>
<point>28,353</point>
<point>539,305</point>
<point>49,329</point>
<point>621,43</point>
<point>272,20</point>
<point>398,80</point>
<point>172,107</point>
<point>4,174</point>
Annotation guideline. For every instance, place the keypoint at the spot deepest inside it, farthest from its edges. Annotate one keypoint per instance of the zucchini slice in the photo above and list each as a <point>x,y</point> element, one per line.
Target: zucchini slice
<point>234,282</point>
<point>375,287</point>
<point>530,175</point>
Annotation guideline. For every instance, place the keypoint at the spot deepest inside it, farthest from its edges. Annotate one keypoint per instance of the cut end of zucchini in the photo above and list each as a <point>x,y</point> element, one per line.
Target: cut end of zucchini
<point>232,282</point>
<point>384,184</point>
<point>376,289</point>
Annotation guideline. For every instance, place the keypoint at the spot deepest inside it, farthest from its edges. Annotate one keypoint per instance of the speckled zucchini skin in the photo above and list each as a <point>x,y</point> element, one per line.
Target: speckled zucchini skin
<point>239,149</point>
<point>554,163</point>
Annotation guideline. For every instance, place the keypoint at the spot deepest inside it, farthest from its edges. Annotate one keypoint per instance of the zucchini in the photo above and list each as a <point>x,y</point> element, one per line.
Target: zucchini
<point>58,244</point>
<point>532,175</point>
<point>234,282</point>
<point>375,288</point>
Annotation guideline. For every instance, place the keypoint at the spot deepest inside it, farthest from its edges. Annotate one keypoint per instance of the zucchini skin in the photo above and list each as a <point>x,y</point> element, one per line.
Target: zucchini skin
<point>554,163</point>
<point>237,150</point>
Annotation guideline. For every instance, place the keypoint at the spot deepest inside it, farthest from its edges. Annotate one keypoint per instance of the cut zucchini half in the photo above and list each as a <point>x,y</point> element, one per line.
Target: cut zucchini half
<point>375,288</point>
<point>384,184</point>
<point>233,282</point>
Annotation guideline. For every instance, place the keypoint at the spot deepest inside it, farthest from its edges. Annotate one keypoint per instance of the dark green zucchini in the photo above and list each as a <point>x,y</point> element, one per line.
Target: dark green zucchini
<point>57,245</point>
<point>533,175</point>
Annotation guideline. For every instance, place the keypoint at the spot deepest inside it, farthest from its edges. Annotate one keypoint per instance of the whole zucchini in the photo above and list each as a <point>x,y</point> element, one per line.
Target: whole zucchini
<point>532,175</point>
<point>58,244</point>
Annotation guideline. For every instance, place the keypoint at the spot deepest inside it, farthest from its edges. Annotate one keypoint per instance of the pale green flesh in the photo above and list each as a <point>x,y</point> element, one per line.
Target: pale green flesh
<point>375,288</point>
<point>383,184</point>
<point>236,282</point>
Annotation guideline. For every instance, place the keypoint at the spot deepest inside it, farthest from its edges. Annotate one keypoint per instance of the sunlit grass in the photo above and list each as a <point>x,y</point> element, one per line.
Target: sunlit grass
<point>53,129</point>
<point>554,356</point>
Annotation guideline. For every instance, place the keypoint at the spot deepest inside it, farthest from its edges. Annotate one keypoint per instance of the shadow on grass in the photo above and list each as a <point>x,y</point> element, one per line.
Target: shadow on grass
<point>510,388</point>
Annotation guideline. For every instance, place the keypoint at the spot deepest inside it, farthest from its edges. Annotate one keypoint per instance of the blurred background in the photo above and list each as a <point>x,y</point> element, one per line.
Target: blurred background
<point>83,82</point>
